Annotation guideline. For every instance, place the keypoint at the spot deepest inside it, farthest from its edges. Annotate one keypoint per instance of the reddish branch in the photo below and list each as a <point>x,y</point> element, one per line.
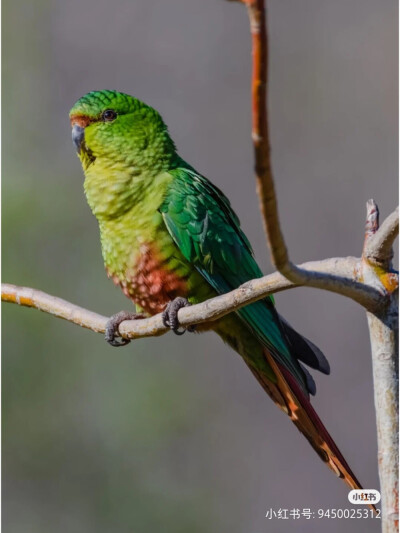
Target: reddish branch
<point>260,135</point>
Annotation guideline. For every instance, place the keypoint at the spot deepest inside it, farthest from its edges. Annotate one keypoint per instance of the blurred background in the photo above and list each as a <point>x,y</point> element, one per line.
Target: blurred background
<point>174,434</point>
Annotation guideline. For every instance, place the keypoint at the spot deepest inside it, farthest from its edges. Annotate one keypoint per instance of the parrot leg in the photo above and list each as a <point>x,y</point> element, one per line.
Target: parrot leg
<point>170,315</point>
<point>112,333</point>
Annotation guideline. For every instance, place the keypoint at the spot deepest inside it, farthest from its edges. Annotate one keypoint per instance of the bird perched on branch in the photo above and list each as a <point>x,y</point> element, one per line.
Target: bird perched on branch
<point>170,238</point>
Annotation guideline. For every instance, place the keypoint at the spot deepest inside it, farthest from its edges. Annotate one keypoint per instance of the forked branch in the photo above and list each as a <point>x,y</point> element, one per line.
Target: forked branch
<point>383,330</point>
<point>379,240</point>
<point>263,167</point>
<point>375,271</point>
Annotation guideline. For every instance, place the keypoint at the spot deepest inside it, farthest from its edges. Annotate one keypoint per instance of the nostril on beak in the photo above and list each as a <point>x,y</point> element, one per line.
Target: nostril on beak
<point>78,135</point>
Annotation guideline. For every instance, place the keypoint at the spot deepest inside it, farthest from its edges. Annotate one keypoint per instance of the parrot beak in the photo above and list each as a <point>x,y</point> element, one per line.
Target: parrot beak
<point>78,136</point>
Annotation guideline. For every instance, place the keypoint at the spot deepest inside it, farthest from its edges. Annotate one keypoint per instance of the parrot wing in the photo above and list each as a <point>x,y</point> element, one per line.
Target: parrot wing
<point>207,231</point>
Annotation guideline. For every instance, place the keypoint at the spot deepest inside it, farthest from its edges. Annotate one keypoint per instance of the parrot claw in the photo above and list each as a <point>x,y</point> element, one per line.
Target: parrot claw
<point>112,335</point>
<point>170,315</point>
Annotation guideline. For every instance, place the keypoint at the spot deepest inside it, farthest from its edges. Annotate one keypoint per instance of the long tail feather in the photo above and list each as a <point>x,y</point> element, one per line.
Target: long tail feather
<point>288,395</point>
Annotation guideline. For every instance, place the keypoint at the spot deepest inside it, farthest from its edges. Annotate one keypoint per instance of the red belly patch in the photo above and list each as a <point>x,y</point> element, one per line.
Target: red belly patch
<point>150,284</point>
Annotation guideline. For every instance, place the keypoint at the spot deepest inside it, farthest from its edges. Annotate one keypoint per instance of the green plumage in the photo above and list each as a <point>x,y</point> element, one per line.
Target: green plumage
<point>144,195</point>
<point>208,234</point>
<point>167,232</point>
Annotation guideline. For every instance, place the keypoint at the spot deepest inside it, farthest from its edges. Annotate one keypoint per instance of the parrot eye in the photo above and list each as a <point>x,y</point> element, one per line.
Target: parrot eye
<point>109,115</point>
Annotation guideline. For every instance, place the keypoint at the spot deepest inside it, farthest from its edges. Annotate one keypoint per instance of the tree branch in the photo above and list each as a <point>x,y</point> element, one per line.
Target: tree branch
<point>378,245</point>
<point>375,271</point>
<point>260,135</point>
<point>376,260</point>
<point>342,270</point>
<point>383,329</point>
<point>262,154</point>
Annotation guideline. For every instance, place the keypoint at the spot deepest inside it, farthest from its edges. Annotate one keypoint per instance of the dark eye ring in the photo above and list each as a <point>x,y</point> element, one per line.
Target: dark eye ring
<point>109,115</point>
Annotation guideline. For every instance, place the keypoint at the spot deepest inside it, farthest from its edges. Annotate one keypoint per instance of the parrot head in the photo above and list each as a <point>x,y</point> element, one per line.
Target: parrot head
<point>119,129</point>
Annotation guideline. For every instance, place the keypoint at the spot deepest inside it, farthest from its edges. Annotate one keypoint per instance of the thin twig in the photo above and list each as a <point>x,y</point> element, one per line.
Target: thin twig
<point>376,260</point>
<point>260,136</point>
<point>378,248</point>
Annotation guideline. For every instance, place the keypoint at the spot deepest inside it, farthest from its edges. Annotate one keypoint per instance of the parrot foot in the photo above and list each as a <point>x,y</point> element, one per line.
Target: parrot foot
<point>170,315</point>
<point>112,335</point>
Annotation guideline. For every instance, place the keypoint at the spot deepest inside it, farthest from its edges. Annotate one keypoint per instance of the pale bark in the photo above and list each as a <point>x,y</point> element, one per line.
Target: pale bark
<point>378,247</point>
<point>383,332</point>
<point>344,270</point>
<point>383,329</point>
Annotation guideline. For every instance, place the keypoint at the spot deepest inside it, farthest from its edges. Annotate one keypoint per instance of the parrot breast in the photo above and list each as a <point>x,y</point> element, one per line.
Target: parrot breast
<point>150,283</point>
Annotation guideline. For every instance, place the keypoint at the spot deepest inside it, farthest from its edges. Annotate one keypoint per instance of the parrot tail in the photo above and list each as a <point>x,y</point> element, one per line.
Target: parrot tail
<point>288,395</point>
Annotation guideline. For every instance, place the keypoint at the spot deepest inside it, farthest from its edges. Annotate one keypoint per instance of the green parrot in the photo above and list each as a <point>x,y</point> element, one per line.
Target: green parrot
<point>170,238</point>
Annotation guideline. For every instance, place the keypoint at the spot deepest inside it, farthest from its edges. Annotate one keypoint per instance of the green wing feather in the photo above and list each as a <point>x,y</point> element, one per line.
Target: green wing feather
<point>207,231</point>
